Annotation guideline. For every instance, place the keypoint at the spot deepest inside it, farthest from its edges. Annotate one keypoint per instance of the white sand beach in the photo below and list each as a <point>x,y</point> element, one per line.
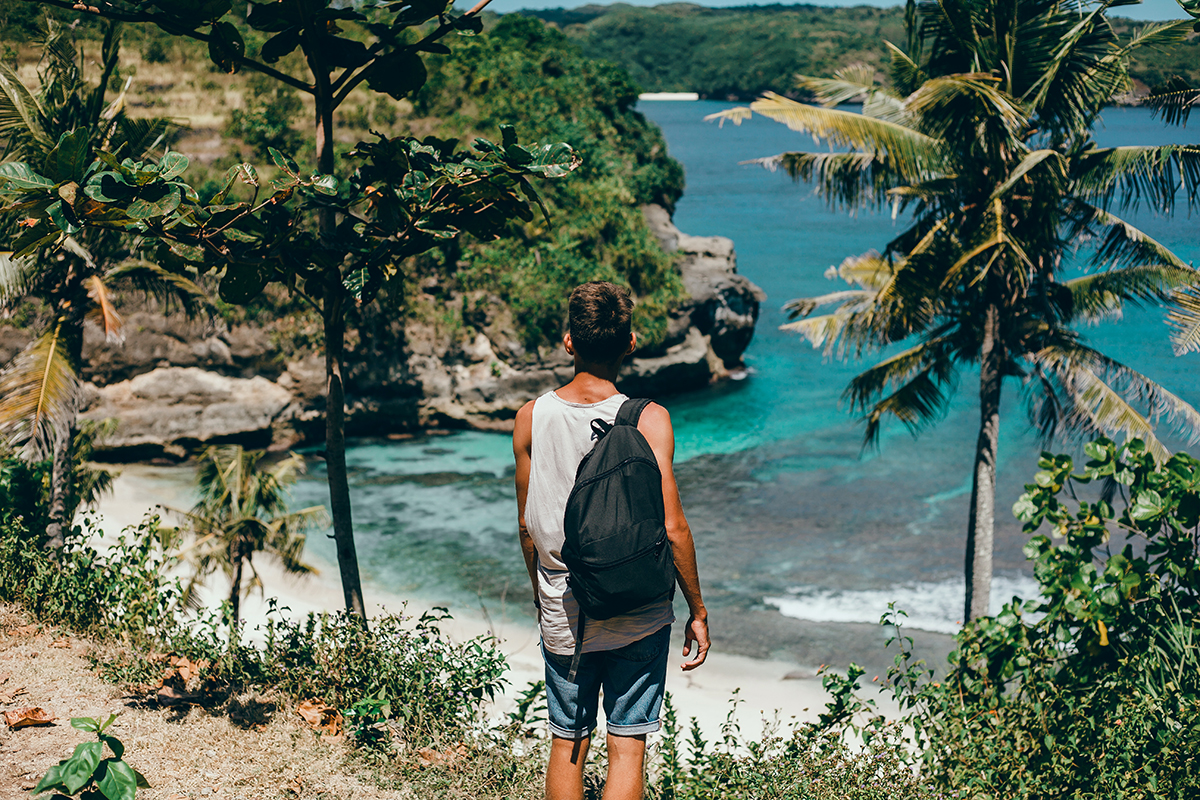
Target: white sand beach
<point>766,689</point>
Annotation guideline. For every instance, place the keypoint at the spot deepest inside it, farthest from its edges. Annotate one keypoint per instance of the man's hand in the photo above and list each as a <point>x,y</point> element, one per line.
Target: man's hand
<point>696,631</point>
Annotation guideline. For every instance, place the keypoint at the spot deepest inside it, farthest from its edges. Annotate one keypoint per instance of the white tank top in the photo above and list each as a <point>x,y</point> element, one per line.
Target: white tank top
<point>562,436</point>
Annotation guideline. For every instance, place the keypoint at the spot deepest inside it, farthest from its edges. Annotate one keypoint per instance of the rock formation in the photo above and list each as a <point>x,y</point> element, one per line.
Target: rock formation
<point>176,384</point>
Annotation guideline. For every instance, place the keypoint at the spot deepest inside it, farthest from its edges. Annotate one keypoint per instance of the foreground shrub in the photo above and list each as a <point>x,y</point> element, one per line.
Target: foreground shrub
<point>810,762</point>
<point>1090,690</point>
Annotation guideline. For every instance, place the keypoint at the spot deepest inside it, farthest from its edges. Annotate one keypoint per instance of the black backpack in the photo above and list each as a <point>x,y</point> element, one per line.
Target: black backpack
<point>616,547</point>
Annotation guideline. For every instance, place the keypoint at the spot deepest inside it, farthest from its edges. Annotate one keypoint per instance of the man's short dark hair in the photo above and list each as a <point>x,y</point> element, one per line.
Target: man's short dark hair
<point>599,316</point>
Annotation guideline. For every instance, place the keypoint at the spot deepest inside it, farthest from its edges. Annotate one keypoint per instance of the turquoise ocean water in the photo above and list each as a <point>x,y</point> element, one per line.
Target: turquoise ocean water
<point>802,537</point>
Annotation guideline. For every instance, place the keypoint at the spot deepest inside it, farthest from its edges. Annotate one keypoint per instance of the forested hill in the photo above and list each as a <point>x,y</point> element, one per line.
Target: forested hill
<point>740,52</point>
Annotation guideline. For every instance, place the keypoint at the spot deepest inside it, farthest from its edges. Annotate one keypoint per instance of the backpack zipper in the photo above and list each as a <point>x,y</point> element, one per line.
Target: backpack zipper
<point>610,471</point>
<point>621,561</point>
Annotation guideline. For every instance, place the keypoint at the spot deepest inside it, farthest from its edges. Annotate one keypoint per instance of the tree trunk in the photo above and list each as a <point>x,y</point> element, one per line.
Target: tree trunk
<point>335,408</point>
<point>71,310</point>
<point>235,589</point>
<point>982,523</point>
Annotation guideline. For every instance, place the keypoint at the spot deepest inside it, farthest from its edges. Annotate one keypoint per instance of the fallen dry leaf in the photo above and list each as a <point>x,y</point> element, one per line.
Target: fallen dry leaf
<point>324,718</point>
<point>170,696</point>
<point>429,756</point>
<point>7,695</point>
<point>63,643</point>
<point>25,717</point>
<point>186,668</point>
<point>4,676</point>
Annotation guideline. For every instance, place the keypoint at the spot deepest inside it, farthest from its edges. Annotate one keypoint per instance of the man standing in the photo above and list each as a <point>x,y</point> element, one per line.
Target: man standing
<point>625,655</point>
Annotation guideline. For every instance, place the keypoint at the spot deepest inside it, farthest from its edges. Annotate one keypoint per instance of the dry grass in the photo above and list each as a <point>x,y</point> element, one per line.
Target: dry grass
<point>252,748</point>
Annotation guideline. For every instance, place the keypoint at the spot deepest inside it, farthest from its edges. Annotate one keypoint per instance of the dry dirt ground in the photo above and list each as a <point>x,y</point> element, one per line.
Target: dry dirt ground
<point>183,752</point>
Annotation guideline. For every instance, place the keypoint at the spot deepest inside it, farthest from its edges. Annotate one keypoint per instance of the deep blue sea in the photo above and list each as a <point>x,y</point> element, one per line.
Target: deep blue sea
<point>803,538</point>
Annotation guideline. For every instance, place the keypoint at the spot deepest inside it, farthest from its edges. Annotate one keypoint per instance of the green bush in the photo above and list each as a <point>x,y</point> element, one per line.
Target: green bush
<point>266,118</point>
<point>1090,690</point>
<point>810,762</point>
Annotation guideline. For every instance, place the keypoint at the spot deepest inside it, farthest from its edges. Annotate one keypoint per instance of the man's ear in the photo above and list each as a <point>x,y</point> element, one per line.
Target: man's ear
<point>567,345</point>
<point>632,343</point>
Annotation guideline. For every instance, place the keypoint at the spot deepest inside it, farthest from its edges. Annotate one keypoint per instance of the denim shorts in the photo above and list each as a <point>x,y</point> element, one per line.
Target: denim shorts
<point>633,678</point>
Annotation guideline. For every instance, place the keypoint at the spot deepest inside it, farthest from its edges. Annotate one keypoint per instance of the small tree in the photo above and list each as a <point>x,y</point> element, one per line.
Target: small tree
<point>243,511</point>
<point>74,276</point>
<point>341,263</point>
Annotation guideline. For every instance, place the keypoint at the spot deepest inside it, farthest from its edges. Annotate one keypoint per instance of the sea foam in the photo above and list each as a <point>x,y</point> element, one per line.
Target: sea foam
<point>936,607</point>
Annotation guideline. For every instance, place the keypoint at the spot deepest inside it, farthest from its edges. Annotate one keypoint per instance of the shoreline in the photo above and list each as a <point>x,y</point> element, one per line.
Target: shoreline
<point>765,689</point>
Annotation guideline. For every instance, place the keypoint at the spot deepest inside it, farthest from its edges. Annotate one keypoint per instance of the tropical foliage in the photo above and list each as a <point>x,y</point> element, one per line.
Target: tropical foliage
<point>520,69</point>
<point>1090,689</point>
<point>73,276</point>
<point>746,50</point>
<point>985,134</point>
<point>408,195</point>
<point>243,511</point>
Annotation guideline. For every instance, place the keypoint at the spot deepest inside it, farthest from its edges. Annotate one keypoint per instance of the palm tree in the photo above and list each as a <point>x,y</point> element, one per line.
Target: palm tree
<point>39,389</point>
<point>243,511</point>
<point>985,133</point>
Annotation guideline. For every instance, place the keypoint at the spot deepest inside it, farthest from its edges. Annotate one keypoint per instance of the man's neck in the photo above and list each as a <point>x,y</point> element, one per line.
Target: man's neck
<point>591,384</point>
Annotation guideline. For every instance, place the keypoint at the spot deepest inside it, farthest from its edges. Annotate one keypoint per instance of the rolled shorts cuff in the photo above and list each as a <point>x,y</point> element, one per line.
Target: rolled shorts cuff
<point>563,733</point>
<point>640,729</point>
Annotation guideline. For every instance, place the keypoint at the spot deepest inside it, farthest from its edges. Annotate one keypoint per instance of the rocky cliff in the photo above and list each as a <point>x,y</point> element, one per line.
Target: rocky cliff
<point>175,384</point>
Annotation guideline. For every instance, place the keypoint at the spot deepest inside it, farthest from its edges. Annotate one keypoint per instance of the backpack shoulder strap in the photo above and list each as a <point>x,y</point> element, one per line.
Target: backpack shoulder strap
<point>631,411</point>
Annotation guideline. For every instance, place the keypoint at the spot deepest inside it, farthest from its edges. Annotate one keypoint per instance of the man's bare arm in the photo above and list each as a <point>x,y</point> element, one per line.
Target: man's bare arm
<point>655,425</point>
<point>522,448</point>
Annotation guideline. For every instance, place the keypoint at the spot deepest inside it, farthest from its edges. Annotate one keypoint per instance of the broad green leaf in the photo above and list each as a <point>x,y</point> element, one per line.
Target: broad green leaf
<point>68,161</point>
<point>52,779</point>
<point>114,744</point>
<point>325,184</point>
<point>343,52</point>
<point>157,201</point>
<point>77,770</point>
<point>279,45</point>
<point>118,781</point>
<point>108,187</point>
<point>1024,509</point>
<point>1146,505</point>
<point>285,163</point>
<point>89,724</point>
<point>242,283</point>
<point>554,160</point>
<point>225,46</point>
<point>58,217</point>
<point>508,135</point>
<point>469,26</point>
<point>172,165</point>
<point>18,175</point>
<point>248,174</point>
<point>398,74</point>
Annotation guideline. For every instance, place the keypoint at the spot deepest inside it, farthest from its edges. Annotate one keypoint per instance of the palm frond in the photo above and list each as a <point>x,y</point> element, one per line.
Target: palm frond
<point>17,276</point>
<point>850,180</point>
<point>1103,295</point>
<point>911,153</point>
<point>104,312</point>
<point>1122,243</point>
<point>856,83</point>
<point>1101,393</point>
<point>924,379</point>
<point>161,283</point>
<point>1185,319</point>
<point>1174,100</point>
<point>949,105</point>
<point>21,117</point>
<point>736,115</point>
<point>1134,173</point>
<point>39,395</point>
<point>1028,163</point>
<point>905,73</point>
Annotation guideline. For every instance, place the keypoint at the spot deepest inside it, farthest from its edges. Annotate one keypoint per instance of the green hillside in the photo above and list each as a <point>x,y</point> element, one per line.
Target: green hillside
<point>740,52</point>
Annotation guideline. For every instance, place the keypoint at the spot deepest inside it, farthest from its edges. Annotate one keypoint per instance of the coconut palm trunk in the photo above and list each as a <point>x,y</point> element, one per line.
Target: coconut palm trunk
<point>982,523</point>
